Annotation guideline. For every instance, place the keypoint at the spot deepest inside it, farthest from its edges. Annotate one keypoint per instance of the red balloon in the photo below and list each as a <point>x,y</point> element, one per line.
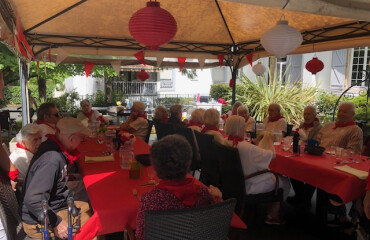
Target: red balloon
<point>152,26</point>
<point>231,83</point>
<point>142,75</point>
<point>314,65</point>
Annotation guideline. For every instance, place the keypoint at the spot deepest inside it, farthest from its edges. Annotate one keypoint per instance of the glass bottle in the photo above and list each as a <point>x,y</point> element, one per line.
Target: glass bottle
<point>126,155</point>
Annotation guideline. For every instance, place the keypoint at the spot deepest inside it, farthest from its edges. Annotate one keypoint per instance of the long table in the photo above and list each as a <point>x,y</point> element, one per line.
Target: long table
<point>319,171</point>
<point>110,192</point>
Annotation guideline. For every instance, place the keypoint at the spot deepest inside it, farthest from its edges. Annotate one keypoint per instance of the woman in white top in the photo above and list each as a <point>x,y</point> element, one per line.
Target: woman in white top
<point>28,141</point>
<point>211,119</point>
<point>88,113</point>
<point>253,159</point>
<point>250,123</point>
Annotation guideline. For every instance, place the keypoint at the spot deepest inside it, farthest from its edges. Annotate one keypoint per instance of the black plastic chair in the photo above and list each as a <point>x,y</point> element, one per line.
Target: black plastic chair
<point>232,180</point>
<point>210,172</point>
<point>196,163</point>
<point>206,222</point>
<point>163,129</point>
<point>150,125</point>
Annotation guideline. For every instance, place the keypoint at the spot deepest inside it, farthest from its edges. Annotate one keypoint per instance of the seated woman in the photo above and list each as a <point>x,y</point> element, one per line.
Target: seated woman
<point>255,159</point>
<point>160,114</point>
<point>250,123</point>
<point>171,157</point>
<point>176,116</point>
<point>137,123</point>
<point>88,113</point>
<point>211,119</point>
<point>196,120</point>
<point>28,141</point>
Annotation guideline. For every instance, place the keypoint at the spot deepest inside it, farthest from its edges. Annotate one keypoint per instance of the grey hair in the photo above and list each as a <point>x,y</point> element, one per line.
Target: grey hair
<point>159,112</point>
<point>171,157</point>
<point>175,110</point>
<point>243,109</point>
<point>312,108</point>
<point>138,106</point>
<point>276,105</point>
<point>211,117</point>
<point>85,101</point>
<point>235,126</point>
<point>27,131</point>
<point>197,115</point>
<point>351,104</point>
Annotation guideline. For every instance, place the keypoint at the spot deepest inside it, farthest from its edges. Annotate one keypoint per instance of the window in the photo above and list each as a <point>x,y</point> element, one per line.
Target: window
<point>280,69</point>
<point>360,60</point>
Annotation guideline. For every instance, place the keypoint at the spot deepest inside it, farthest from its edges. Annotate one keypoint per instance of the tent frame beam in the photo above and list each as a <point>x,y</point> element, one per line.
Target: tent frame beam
<point>54,16</point>
<point>354,29</point>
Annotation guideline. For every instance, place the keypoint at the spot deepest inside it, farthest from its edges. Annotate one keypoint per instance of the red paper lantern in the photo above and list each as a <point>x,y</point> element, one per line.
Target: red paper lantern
<point>231,83</point>
<point>314,65</point>
<point>142,75</point>
<point>152,26</point>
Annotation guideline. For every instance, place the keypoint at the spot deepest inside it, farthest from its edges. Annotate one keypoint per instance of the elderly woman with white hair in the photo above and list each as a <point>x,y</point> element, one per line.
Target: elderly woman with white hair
<point>253,159</point>
<point>28,141</point>
<point>137,123</point>
<point>160,114</point>
<point>196,119</point>
<point>275,121</point>
<point>88,113</point>
<point>250,123</point>
<point>211,120</point>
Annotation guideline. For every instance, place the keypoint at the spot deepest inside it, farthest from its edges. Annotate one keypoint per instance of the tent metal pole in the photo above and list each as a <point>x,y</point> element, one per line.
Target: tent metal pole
<point>23,77</point>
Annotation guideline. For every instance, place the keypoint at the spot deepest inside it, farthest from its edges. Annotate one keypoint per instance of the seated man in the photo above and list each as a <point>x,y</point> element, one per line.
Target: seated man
<point>234,111</point>
<point>88,113</point>
<point>275,121</point>
<point>310,128</point>
<point>47,174</point>
<point>137,123</point>
<point>250,123</point>
<point>344,132</point>
<point>176,116</point>
<point>47,116</point>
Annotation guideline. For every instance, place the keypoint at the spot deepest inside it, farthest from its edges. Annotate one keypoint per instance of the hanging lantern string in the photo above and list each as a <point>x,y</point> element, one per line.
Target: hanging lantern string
<point>313,49</point>
<point>282,18</point>
<point>286,4</point>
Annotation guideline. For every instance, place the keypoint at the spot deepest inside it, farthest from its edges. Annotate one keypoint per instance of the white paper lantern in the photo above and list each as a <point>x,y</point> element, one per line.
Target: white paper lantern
<point>281,39</point>
<point>259,69</point>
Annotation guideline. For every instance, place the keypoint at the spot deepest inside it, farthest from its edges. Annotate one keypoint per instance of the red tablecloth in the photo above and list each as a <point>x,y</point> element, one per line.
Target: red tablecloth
<point>110,192</point>
<point>319,171</point>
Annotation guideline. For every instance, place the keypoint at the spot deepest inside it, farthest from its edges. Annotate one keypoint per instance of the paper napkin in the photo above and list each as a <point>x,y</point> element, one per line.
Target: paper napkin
<point>109,158</point>
<point>358,173</point>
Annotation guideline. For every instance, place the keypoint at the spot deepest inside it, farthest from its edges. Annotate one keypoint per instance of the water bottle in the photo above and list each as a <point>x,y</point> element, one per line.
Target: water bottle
<point>126,155</point>
<point>296,146</point>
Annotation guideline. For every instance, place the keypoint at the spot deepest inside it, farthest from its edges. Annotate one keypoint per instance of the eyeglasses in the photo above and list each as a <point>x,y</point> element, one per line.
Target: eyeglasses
<point>58,114</point>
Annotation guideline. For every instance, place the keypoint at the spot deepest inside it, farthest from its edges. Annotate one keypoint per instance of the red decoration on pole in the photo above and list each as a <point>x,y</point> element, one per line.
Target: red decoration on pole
<point>314,65</point>
<point>181,62</point>
<point>221,59</point>
<point>152,26</point>
<point>22,40</point>
<point>88,67</point>
<point>231,83</point>
<point>142,75</point>
<point>250,58</point>
<point>140,56</point>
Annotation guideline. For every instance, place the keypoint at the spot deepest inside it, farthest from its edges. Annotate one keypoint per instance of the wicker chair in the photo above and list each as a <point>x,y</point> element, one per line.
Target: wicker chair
<point>202,223</point>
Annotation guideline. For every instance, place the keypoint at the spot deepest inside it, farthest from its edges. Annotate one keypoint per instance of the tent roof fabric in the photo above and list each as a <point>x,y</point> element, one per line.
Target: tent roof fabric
<point>87,29</point>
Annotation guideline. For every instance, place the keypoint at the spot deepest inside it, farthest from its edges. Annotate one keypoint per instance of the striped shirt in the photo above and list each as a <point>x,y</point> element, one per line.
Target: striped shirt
<point>349,137</point>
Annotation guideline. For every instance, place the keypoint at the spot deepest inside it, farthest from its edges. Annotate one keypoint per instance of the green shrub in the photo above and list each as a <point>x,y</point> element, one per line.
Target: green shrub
<point>224,91</point>
<point>100,100</point>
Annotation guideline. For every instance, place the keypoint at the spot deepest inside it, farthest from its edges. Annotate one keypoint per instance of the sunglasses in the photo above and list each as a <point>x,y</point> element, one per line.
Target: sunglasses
<point>58,114</point>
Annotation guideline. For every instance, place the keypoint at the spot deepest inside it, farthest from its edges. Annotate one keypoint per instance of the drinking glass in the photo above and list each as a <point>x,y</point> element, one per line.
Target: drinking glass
<point>109,135</point>
<point>278,135</point>
<point>260,127</point>
<point>93,126</point>
<point>338,153</point>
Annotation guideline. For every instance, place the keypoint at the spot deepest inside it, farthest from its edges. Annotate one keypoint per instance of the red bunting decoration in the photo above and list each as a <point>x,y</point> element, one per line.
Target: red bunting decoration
<point>22,42</point>
<point>140,56</point>
<point>231,83</point>
<point>250,58</point>
<point>142,75</point>
<point>88,67</point>
<point>181,62</point>
<point>221,59</point>
<point>314,65</point>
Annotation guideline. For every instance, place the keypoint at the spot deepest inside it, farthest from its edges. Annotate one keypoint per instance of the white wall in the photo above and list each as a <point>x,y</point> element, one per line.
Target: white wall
<point>83,85</point>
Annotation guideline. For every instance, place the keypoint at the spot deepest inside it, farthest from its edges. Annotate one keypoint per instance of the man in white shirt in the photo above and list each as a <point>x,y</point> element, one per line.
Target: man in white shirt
<point>344,132</point>
<point>250,123</point>
<point>275,121</point>
<point>47,117</point>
